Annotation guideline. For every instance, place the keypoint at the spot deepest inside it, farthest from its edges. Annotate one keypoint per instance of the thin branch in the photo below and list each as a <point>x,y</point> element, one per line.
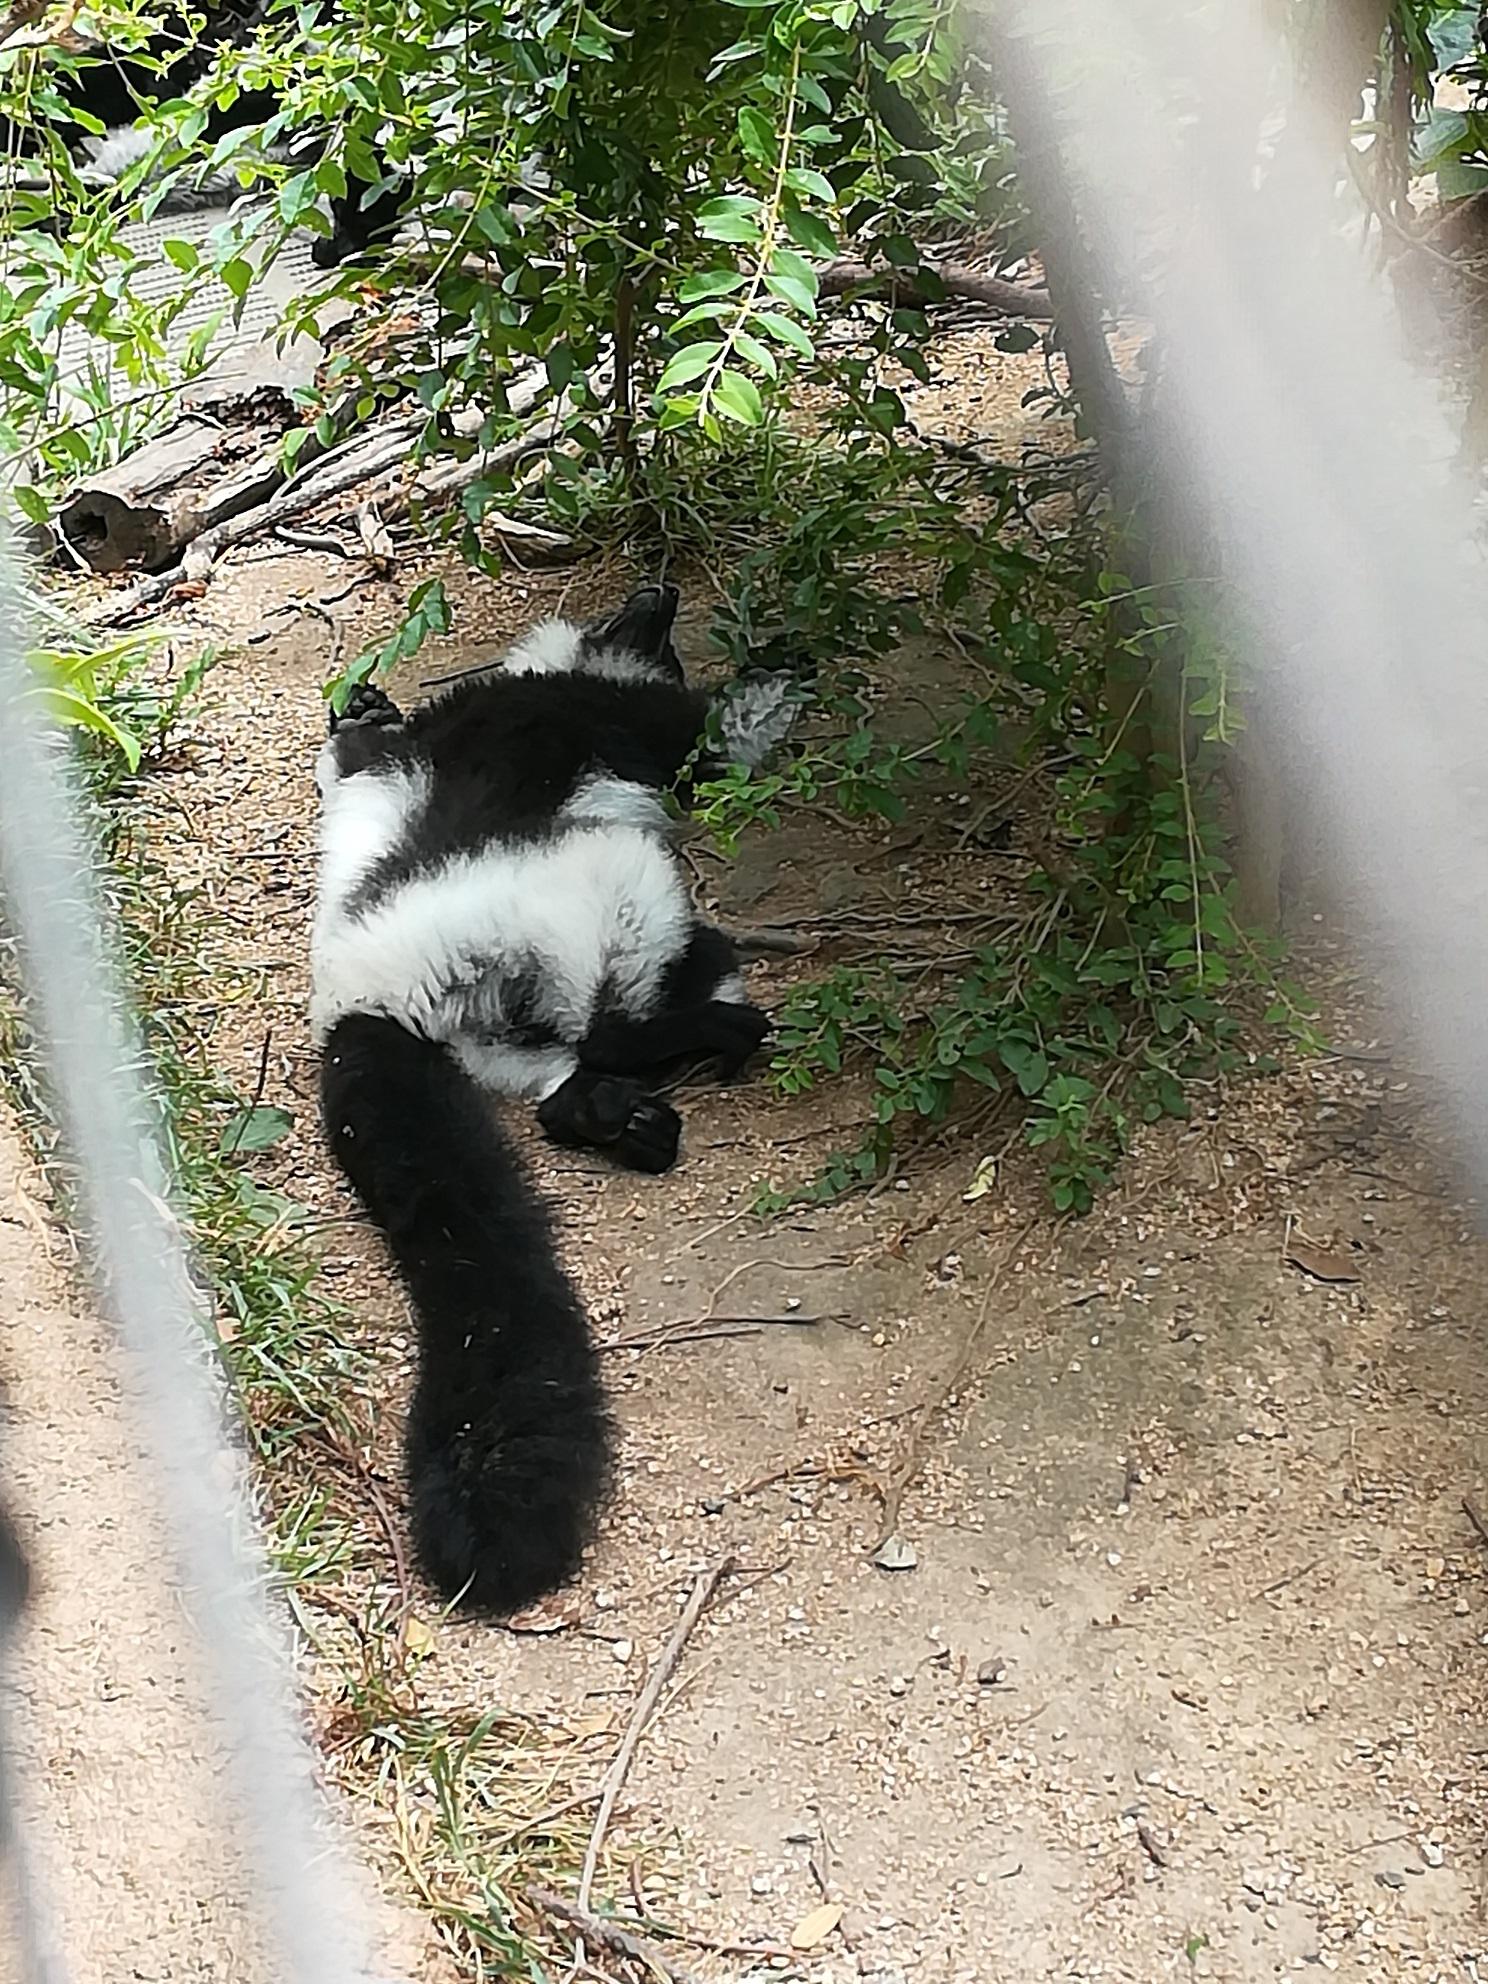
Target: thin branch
<point>609,1934</point>
<point>707,1583</point>
<point>913,1458</point>
<point>1015,299</point>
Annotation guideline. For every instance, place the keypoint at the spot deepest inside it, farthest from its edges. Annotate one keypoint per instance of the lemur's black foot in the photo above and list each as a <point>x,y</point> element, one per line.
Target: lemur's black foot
<point>369,705</point>
<point>621,1118</point>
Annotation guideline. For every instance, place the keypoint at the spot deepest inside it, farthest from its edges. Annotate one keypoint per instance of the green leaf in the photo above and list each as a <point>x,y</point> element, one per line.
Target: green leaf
<point>80,712</point>
<point>729,203</point>
<point>1027,1066</point>
<point>785,329</point>
<point>793,280</point>
<point>705,313</point>
<point>688,363</point>
<point>30,502</point>
<point>255,1129</point>
<point>810,231</point>
<point>738,397</point>
<point>238,275</point>
<point>1456,178</point>
<point>717,282</point>
<point>757,135</point>
<point>185,254</point>
<point>812,184</point>
<point>758,355</point>
<point>729,227</point>
<point>1445,135</point>
<point>296,196</point>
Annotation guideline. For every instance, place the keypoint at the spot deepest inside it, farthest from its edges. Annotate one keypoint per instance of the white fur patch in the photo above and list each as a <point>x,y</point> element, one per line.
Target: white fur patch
<point>600,801</point>
<point>362,819</point>
<point>116,151</point>
<point>732,991</point>
<point>573,916</point>
<point>552,648</point>
<point>558,647</point>
<point>525,1074</point>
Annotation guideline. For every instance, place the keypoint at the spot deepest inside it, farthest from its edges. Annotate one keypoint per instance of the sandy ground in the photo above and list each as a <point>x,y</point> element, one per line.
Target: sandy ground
<point>1185,1674</point>
<point>128,1833</point>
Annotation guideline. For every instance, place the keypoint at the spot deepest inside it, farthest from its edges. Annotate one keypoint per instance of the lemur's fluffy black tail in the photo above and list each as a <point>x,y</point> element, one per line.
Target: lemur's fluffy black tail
<point>508,1438</point>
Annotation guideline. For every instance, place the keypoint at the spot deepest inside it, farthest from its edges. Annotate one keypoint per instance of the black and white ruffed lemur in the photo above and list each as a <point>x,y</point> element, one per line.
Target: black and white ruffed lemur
<point>502,913</point>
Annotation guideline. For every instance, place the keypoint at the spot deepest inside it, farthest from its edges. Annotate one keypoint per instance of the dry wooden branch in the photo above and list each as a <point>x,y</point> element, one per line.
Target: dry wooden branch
<point>610,1935</point>
<point>770,943</point>
<point>707,1583</point>
<point>1014,299</point>
<point>377,454</point>
<point>704,1329</point>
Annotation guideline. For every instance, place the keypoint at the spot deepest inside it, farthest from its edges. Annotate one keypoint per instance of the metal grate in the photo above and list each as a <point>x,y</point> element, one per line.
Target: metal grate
<point>244,352</point>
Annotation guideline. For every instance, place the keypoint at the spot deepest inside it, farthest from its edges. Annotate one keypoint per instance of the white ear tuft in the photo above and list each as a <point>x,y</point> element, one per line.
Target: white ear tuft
<point>554,647</point>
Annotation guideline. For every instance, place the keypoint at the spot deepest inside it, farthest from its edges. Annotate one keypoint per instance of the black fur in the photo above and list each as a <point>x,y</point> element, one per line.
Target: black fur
<point>358,223</point>
<point>505,751</point>
<point>691,1026</point>
<point>508,1446</point>
<point>600,1111</point>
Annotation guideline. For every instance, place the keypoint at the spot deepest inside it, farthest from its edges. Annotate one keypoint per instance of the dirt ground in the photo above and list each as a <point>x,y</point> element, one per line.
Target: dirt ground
<point>118,1772</point>
<point>1183,1675</point>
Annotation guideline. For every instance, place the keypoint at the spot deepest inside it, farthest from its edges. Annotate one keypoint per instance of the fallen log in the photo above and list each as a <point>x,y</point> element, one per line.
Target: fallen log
<point>1015,299</point>
<point>353,468</point>
<point>142,513</point>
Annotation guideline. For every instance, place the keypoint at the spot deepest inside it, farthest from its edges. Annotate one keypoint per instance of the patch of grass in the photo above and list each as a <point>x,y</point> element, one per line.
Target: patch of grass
<point>480,1808</point>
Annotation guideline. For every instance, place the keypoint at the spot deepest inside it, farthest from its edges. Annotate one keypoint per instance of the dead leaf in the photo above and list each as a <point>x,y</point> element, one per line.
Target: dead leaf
<point>812,1930</point>
<point>894,1554</point>
<point>376,539</point>
<point>1330,1264</point>
<point>545,1618</point>
<point>417,1638</point>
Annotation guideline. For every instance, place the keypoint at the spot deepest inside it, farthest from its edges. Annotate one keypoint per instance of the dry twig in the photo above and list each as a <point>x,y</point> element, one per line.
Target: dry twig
<point>610,1935</point>
<point>703,1329</point>
<point>703,1589</point>
<point>913,1458</point>
<point>846,277</point>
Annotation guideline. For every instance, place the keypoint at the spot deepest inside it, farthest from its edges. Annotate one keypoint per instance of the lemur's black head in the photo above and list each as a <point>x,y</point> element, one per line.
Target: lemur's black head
<point>632,644</point>
<point>639,634</point>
